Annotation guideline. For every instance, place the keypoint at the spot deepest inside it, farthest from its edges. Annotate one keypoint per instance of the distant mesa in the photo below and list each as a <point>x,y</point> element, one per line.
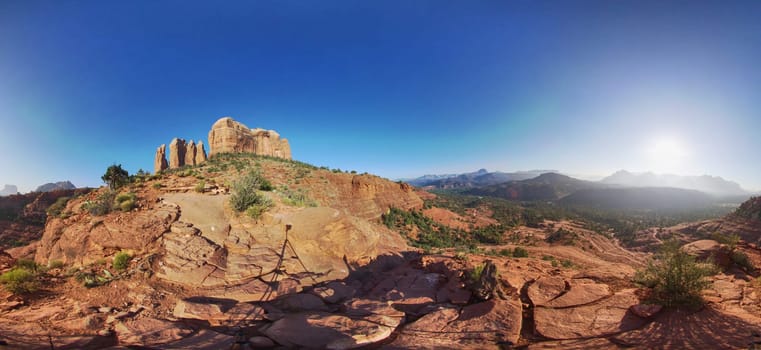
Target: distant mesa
<point>226,136</point>
<point>56,186</point>
<point>9,190</point>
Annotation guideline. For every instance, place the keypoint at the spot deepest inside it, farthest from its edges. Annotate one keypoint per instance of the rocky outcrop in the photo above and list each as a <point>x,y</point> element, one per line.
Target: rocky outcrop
<point>177,150</point>
<point>181,153</point>
<point>230,136</point>
<point>709,250</point>
<point>159,161</point>
<point>200,154</point>
<point>24,216</point>
<point>81,239</point>
<point>190,153</point>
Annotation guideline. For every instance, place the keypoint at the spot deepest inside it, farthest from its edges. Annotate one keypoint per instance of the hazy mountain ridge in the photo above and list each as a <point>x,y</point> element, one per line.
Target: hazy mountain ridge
<point>547,186</point>
<point>8,190</point>
<point>713,185</point>
<point>481,177</point>
<point>56,186</point>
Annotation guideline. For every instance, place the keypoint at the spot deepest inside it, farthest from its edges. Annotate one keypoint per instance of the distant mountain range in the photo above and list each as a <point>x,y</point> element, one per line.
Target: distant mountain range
<point>547,186</point>
<point>478,178</point>
<point>56,186</point>
<point>622,190</point>
<point>713,185</point>
<point>8,190</point>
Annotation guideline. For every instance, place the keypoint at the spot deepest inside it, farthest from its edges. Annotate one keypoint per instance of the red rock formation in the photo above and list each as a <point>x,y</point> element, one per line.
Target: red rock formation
<point>228,135</point>
<point>159,162</point>
<point>177,150</point>
<point>200,153</point>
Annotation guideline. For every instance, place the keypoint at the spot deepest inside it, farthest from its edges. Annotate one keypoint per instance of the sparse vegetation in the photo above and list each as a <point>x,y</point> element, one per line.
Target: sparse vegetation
<point>296,198</point>
<point>55,264</point>
<point>102,205</point>
<point>200,186</point>
<point>121,260</point>
<point>19,280</point>
<point>246,197</point>
<point>475,274</point>
<point>675,277</point>
<point>741,259</point>
<point>520,252</point>
<point>115,177</point>
<point>125,201</point>
<point>56,209</point>
<point>562,236</point>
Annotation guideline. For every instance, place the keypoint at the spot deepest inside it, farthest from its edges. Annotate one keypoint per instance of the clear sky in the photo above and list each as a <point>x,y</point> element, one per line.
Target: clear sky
<point>396,88</point>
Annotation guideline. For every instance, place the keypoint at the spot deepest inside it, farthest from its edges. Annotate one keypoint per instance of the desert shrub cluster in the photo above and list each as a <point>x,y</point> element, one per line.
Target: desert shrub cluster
<point>246,196</point>
<point>675,277</point>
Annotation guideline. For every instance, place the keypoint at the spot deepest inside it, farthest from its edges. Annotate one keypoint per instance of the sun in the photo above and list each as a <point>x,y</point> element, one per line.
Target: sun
<point>667,155</point>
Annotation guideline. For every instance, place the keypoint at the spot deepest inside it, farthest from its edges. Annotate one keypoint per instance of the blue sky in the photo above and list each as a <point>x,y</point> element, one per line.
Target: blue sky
<point>396,88</point>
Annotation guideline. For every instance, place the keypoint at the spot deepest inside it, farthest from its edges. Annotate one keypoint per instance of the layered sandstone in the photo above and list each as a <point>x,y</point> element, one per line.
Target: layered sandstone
<point>159,160</point>
<point>177,150</point>
<point>181,153</point>
<point>230,136</point>
<point>200,154</point>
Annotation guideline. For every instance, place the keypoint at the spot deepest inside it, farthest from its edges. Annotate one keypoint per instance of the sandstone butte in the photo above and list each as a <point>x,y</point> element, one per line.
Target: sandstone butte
<point>226,136</point>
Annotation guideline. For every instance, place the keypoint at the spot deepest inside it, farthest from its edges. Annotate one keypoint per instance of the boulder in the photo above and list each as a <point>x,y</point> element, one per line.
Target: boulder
<point>709,250</point>
<point>159,161</point>
<point>230,136</point>
<point>322,330</point>
<point>606,317</point>
<point>149,331</point>
<point>646,310</point>
<point>558,293</point>
<point>482,325</point>
<point>334,292</point>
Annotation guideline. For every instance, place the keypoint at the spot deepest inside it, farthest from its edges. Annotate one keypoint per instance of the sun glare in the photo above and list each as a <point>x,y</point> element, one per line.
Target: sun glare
<point>667,155</point>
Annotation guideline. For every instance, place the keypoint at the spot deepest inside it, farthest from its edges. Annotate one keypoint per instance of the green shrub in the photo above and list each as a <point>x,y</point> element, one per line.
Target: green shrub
<point>675,277</point>
<point>27,264</point>
<point>475,274</point>
<point>296,198</point>
<point>19,281</point>
<point>157,185</point>
<point>55,264</point>
<point>519,252</point>
<point>255,211</point>
<point>121,260</point>
<point>127,205</point>
<point>730,240</point>
<point>200,186</point>
<point>101,205</point>
<point>57,208</point>
<point>125,201</point>
<point>742,260</point>
<point>245,193</point>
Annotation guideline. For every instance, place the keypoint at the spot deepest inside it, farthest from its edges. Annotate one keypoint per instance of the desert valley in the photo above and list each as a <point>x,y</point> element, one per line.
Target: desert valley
<point>247,248</point>
<point>497,174</point>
